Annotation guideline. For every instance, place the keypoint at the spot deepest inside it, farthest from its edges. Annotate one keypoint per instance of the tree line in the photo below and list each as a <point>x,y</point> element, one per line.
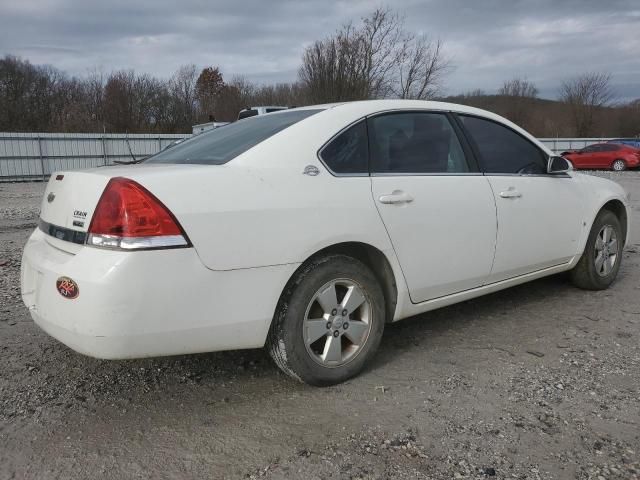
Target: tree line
<point>376,57</point>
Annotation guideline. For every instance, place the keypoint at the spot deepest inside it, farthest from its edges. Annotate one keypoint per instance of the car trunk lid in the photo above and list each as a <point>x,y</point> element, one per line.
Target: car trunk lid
<point>70,199</point>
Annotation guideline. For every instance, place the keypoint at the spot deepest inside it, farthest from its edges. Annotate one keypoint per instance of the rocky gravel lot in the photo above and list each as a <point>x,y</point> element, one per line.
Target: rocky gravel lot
<point>541,381</point>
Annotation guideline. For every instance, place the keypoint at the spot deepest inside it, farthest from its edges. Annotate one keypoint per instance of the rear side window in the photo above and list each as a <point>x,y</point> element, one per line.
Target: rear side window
<point>503,150</point>
<point>223,144</point>
<point>348,152</point>
<point>415,142</point>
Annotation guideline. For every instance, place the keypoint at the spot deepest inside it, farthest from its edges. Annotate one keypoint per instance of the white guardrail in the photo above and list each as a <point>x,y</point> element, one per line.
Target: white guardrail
<point>34,156</point>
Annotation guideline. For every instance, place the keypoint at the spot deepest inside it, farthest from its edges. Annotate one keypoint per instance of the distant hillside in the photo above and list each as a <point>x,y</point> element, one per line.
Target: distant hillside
<point>551,118</point>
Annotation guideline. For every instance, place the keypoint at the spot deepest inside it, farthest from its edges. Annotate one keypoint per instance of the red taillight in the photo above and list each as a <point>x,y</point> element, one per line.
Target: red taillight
<point>129,216</point>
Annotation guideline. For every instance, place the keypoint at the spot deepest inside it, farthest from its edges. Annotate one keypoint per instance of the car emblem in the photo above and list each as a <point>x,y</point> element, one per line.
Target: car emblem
<point>51,197</point>
<point>67,288</point>
<point>311,170</point>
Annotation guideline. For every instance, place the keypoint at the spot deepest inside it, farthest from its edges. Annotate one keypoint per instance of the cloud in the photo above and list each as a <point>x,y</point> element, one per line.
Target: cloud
<point>488,42</point>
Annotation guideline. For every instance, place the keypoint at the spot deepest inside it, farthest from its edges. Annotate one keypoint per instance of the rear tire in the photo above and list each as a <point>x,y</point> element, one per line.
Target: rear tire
<point>619,165</point>
<point>329,321</point>
<point>600,262</point>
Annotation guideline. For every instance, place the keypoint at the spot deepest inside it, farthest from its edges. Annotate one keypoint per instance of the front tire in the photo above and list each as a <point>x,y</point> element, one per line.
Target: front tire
<point>600,262</point>
<point>329,321</point>
<point>619,165</point>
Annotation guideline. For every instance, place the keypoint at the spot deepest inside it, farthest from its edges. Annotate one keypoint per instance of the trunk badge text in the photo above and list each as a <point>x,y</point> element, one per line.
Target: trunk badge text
<point>51,197</point>
<point>311,170</point>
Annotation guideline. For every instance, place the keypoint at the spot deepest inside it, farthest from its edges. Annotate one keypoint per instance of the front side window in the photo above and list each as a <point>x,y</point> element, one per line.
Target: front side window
<point>223,144</point>
<point>348,152</point>
<point>415,142</point>
<point>502,150</point>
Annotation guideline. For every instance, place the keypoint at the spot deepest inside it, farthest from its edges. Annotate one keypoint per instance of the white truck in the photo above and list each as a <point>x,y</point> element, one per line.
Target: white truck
<point>253,111</point>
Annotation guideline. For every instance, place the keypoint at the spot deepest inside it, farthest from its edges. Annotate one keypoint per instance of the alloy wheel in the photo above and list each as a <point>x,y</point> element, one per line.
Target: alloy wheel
<point>606,250</point>
<point>337,322</point>
<point>619,165</point>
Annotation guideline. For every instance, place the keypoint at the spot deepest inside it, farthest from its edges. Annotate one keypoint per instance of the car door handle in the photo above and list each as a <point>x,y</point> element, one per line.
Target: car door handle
<point>397,196</point>
<point>510,193</point>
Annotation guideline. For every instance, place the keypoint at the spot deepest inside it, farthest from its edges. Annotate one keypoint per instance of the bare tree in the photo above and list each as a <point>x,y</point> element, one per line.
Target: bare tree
<point>334,69</point>
<point>28,94</point>
<point>584,95</point>
<point>182,89</point>
<point>518,98</point>
<point>382,39</point>
<point>421,68</point>
<point>94,98</point>
<point>245,89</point>
<point>375,59</point>
<point>518,87</point>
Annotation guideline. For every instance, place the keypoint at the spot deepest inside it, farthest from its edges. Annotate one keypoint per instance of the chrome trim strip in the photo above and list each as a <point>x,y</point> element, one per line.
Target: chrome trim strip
<point>62,233</point>
<point>136,243</point>
<point>113,241</point>
<point>427,174</point>
<point>545,175</point>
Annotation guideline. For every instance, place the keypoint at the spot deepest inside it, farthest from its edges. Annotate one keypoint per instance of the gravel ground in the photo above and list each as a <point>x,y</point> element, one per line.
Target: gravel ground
<point>538,381</point>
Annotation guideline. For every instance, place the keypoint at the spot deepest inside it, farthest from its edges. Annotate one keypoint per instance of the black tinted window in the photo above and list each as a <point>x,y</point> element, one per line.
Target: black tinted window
<point>502,150</point>
<point>247,114</point>
<point>415,142</point>
<point>222,144</point>
<point>349,151</point>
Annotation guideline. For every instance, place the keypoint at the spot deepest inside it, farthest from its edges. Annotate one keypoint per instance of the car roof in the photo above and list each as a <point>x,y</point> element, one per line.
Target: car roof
<point>362,108</point>
<point>393,104</point>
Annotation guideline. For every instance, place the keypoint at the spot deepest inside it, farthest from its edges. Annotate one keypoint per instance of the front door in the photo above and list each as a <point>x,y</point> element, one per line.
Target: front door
<point>438,209</point>
<point>540,216</point>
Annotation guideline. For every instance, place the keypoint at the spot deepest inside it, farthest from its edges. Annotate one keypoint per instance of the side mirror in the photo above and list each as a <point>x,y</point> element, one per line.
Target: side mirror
<point>558,165</point>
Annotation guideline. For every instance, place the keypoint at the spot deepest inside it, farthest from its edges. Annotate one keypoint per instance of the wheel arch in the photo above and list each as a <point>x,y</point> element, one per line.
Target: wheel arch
<point>372,257</point>
<point>618,208</point>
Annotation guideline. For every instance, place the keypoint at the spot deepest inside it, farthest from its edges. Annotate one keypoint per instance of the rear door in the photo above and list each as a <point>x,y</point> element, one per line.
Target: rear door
<point>438,209</point>
<point>539,215</point>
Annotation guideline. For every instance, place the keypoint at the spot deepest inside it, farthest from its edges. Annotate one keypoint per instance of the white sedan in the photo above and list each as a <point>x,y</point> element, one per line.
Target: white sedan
<point>307,230</point>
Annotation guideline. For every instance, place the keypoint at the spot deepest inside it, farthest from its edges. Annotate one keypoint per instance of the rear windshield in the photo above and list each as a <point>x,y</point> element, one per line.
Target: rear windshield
<point>223,144</point>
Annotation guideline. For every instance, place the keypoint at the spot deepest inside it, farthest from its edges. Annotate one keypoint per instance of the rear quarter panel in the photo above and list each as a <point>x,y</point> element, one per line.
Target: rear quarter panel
<point>260,209</point>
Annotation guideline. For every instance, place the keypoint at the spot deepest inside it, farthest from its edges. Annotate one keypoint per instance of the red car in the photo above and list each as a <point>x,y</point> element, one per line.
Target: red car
<point>605,155</point>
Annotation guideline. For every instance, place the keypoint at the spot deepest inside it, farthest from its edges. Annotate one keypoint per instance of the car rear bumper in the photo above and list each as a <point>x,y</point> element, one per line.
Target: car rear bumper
<point>147,303</point>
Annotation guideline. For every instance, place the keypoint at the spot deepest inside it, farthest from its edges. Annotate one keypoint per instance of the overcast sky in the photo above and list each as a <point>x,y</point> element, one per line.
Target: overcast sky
<point>488,41</point>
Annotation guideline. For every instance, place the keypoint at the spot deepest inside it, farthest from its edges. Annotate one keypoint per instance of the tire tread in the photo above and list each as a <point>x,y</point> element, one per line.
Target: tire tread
<point>275,344</point>
<point>583,275</point>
